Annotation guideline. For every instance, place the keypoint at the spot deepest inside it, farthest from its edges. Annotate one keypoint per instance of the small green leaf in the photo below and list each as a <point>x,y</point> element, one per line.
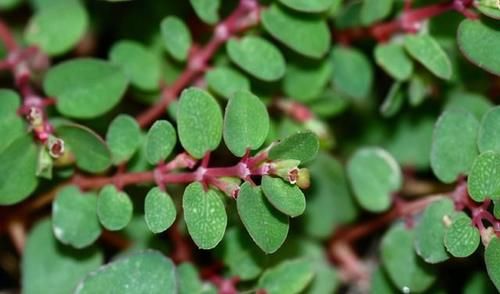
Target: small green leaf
<point>285,197</point>
<point>352,72</point>
<point>199,122</point>
<point>147,272</point>
<point>430,231</point>
<point>393,59</point>
<point>74,217</point>
<point>302,146</point>
<point>304,82</point>
<point>47,264</point>
<point>55,32</point>
<point>454,144</point>
<point>114,208</point>
<point>159,210</point>
<point>375,10</point>
<point>85,88</point>
<point>305,34</point>
<point>205,215</point>
<point>90,150</point>
<point>410,273</point>
<point>380,283</point>
<point>393,101</point>
<point>474,103</point>
<point>267,226</point>
<point>123,138</point>
<point>176,37</point>
<point>188,279</point>
<point>11,125</point>
<point>160,141</point>
<point>484,177</point>
<point>290,276</point>
<point>140,65</point>
<point>225,81</point>
<point>309,6</point>
<point>491,257</point>
<point>18,168</point>
<point>207,10</point>
<point>418,90</point>
<point>479,42</point>
<point>374,176</point>
<point>490,8</point>
<point>461,238</point>
<point>258,57</point>
<point>427,51</point>
<point>246,123</point>
<point>488,138</point>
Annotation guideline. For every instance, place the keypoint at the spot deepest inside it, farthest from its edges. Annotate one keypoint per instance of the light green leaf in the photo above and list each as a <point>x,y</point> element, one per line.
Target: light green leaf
<point>427,51</point>
<point>490,8</point>
<point>380,282</point>
<point>246,123</point>
<point>393,59</point>
<point>488,138</point>
<point>159,210</point>
<point>176,37</point>
<point>188,279</point>
<point>454,144</point>
<point>85,87</point>
<point>375,10</point>
<point>461,238</point>
<point>123,138</point>
<point>225,81</point>
<point>374,176</point>
<point>147,272</point>
<point>290,276</point>
<point>474,103</point>
<point>91,152</point>
<point>258,57</point>
<point>74,217</point>
<point>484,177</point>
<point>205,215</point>
<point>302,146</point>
<point>305,34</point>
<point>352,72</point>
<point>393,101</point>
<point>114,208</point>
<point>491,257</point>
<point>418,90</point>
<point>199,122</point>
<point>309,6</point>
<point>285,197</point>
<point>47,264</point>
<point>11,125</point>
<point>305,82</point>
<point>267,226</point>
<point>160,141</point>
<point>207,10</point>
<point>140,65</point>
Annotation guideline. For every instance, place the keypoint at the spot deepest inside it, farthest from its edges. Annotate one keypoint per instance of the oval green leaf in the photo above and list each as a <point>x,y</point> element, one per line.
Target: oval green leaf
<point>188,279</point>
<point>427,51</point>
<point>461,238</point>
<point>159,210</point>
<point>290,276</point>
<point>305,82</point>
<point>123,138</point>
<point>491,257</point>
<point>302,146</point>
<point>12,125</point>
<point>208,11</point>
<point>114,208</point>
<point>484,177</point>
<point>160,141</point>
<point>176,37</point>
<point>309,6</point>
<point>488,138</point>
<point>393,59</point>
<point>375,10</point>
<point>225,81</point>
<point>285,197</point>
<point>352,72</point>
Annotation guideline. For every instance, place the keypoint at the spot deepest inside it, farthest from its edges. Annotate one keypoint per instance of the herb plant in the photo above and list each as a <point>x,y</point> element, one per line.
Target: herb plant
<point>272,146</point>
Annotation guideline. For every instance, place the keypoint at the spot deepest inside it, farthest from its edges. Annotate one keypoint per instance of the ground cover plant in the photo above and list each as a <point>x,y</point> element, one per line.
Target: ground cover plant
<point>272,146</point>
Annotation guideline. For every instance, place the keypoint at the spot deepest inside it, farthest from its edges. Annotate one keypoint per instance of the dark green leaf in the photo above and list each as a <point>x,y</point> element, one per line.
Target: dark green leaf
<point>11,125</point>
<point>301,146</point>
<point>427,51</point>
<point>393,59</point>
<point>159,210</point>
<point>393,101</point>
<point>207,10</point>
<point>225,81</point>
<point>484,177</point>
<point>491,257</point>
<point>176,37</point>
<point>285,197</point>
<point>461,238</point>
<point>290,277</point>
<point>114,208</point>
<point>418,90</point>
<point>352,72</point>
<point>489,137</point>
<point>305,82</point>
<point>375,10</point>
<point>160,141</point>
<point>478,283</point>
<point>123,138</point>
<point>188,279</point>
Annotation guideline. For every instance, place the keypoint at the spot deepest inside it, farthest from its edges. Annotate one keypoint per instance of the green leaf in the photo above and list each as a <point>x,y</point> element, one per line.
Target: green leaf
<point>418,90</point>
<point>478,283</point>
<point>240,255</point>
<point>484,177</point>
<point>479,42</point>
<point>325,279</point>
<point>90,150</point>
<point>140,65</point>
<point>11,125</point>
<point>380,283</point>
<point>375,10</point>
<point>305,82</point>
<point>285,197</point>
<point>159,210</point>
<point>393,101</point>
<point>491,257</point>
<point>205,215</point>
<point>199,122</point>
<point>160,141</point>
<point>427,51</point>
<point>489,8</point>
<point>55,32</point>
<point>410,273</point>
<point>290,276</point>
<point>246,123</point>
<point>302,146</point>
<point>454,144</point>
<point>309,6</point>
<point>488,138</point>
<point>461,238</point>
<point>430,231</point>
<point>18,168</point>
<point>258,57</point>
<point>74,217</point>
<point>352,72</point>
<point>176,37</point>
<point>474,103</point>
<point>225,81</point>
<point>393,59</point>
<point>305,34</point>
<point>374,176</point>
<point>266,225</point>
<point>123,138</point>
<point>188,279</point>
<point>207,10</point>
<point>147,272</point>
<point>9,4</point>
<point>85,87</point>
<point>47,264</point>
<point>114,208</point>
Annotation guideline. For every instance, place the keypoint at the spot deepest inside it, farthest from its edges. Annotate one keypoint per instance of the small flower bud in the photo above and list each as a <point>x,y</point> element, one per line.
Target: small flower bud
<point>303,178</point>
<point>55,146</point>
